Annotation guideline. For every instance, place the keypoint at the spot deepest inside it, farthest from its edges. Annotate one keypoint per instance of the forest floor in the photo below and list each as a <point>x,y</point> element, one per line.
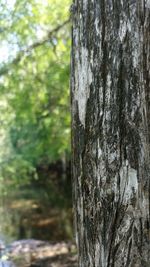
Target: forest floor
<point>38,228</point>
<point>35,253</point>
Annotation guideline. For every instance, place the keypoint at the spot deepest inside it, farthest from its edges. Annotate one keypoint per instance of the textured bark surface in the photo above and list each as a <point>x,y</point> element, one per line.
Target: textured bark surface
<point>110,94</point>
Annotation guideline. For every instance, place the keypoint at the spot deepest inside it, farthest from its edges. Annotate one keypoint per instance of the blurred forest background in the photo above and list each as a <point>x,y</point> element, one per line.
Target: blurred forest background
<point>35,180</point>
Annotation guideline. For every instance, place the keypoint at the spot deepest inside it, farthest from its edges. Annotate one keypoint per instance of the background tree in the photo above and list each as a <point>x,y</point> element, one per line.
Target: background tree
<point>35,119</point>
<point>111,132</point>
<point>34,71</point>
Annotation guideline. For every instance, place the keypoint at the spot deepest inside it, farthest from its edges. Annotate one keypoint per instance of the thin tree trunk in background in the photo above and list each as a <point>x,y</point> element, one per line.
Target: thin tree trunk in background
<point>110,94</point>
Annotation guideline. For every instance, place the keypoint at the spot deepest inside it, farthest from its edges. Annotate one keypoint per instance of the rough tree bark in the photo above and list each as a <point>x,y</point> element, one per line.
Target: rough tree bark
<point>110,94</point>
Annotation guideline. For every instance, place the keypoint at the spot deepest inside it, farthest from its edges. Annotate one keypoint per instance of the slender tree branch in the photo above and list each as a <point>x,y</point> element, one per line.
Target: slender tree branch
<point>4,69</point>
<point>49,36</point>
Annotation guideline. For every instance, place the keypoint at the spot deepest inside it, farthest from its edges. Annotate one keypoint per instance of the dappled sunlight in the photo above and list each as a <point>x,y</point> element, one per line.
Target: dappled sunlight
<point>22,204</point>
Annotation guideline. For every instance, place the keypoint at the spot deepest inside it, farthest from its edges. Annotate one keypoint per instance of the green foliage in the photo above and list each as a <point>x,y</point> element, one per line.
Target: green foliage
<point>34,87</point>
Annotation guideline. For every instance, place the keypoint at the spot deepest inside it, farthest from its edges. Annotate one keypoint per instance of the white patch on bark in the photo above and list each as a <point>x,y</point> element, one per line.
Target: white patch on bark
<point>80,210</point>
<point>109,80</point>
<point>97,250</point>
<point>100,153</point>
<point>128,181</point>
<point>135,52</point>
<point>122,30</point>
<point>103,258</point>
<point>83,81</point>
<point>147,4</point>
<point>129,26</point>
<point>124,27</point>
<point>84,5</point>
<point>96,26</point>
<point>99,247</point>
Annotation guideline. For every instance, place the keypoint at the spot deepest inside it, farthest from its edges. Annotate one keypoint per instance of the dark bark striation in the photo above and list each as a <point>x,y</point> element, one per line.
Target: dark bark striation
<point>110,94</point>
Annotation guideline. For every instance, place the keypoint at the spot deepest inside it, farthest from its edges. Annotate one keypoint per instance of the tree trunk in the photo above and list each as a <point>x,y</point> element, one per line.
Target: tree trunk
<point>110,95</point>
